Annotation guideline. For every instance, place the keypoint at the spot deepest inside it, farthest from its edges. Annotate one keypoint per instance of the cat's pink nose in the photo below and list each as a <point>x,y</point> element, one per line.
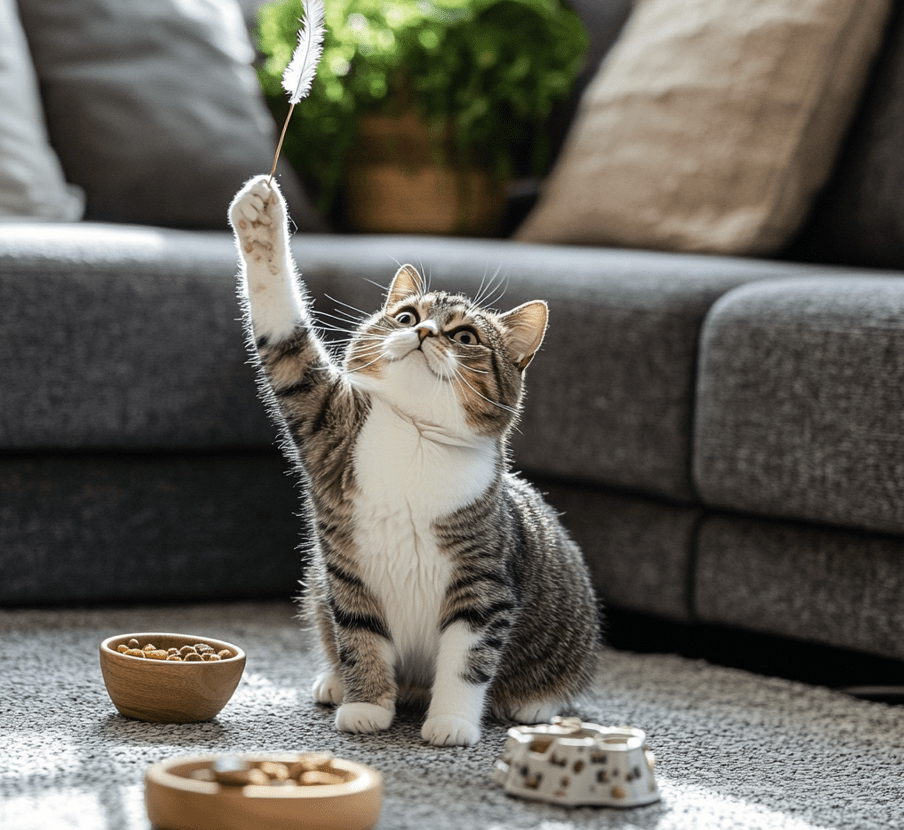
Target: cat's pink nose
<point>426,329</point>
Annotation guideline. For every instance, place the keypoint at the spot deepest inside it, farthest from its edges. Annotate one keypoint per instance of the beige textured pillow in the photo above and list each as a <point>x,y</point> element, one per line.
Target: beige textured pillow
<point>711,125</point>
<point>31,178</point>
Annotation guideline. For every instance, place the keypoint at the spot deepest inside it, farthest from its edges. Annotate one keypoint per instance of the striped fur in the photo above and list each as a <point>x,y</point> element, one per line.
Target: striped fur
<point>436,574</point>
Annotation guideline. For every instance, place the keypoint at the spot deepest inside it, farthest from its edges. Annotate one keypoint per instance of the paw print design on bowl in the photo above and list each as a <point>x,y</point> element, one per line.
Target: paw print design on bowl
<point>573,763</point>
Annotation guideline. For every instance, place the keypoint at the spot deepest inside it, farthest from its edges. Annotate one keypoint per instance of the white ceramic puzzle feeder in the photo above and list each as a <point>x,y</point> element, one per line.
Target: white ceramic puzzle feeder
<point>573,763</point>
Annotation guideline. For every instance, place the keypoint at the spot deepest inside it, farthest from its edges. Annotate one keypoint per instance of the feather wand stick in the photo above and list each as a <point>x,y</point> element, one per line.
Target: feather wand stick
<point>299,74</point>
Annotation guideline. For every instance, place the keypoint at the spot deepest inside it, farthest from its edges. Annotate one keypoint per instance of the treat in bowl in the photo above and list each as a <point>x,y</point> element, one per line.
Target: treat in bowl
<point>170,678</point>
<point>573,763</point>
<point>310,790</point>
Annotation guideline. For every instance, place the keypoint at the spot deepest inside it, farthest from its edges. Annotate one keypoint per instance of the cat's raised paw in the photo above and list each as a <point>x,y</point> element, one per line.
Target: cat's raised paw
<point>328,688</point>
<point>257,209</point>
<point>450,730</point>
<point>362,717</point>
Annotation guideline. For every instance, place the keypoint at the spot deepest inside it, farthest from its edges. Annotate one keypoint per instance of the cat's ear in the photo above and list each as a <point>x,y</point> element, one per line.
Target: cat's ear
<point>406,282</point>
<point>523,330</point>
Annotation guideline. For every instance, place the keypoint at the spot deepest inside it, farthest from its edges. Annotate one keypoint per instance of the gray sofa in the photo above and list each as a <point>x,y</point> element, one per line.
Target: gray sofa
<point>724,434</point>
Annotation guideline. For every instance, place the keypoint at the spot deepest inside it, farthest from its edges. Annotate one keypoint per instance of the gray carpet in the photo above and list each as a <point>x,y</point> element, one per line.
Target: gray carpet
<point>734,750</point>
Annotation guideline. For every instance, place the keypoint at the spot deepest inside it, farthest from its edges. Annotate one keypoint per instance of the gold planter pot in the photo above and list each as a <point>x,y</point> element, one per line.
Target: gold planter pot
<point>399,180</point>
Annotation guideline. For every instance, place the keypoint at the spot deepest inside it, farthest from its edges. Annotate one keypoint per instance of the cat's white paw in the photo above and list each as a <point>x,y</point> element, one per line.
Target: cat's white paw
<point>363,717</point>
<point>257,203</point>
<point>531,713</point>
<point>450,730</point>
<point>257,215</point>
<point>328,688</point>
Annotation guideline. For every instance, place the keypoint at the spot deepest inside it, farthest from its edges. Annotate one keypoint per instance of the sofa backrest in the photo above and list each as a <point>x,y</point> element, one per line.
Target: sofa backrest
<point>859,217</point>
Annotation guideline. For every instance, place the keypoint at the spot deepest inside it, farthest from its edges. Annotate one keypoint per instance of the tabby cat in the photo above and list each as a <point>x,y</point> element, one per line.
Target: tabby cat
<point>435,572</point>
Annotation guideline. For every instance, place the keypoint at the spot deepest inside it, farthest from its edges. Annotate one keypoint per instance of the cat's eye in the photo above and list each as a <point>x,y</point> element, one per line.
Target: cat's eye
<point>466,336</point>
<point>407,317</point>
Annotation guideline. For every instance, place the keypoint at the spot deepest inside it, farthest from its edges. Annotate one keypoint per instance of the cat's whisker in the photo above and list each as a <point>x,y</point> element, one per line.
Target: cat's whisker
<point>348,336</point>
<point>351,333</point>
<point>462,362</point>
<point>334,328</point>
<point>365,349</point>
<point>487,287</point>
<point>497,293</point>
<point>474,371</point>
<point>363,314</point>
<point>340,314</point>
<point>425,275</point>
<point>355,319</point>
<point>459,376</point>
<point>378,325</point>
<point>383,288</point>
<point>483,280</point>
<point>367,353</point>
<point>348,348</point>
<point>347,319</point>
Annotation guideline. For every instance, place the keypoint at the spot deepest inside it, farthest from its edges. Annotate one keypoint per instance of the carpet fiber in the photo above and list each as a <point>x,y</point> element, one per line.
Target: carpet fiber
<point>734,750</point>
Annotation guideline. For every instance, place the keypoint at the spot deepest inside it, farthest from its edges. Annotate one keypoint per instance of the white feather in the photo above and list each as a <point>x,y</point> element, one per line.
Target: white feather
<point>299,74</point>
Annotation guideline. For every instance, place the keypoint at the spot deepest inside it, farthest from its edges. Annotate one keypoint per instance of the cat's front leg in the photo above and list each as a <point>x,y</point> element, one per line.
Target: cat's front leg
<point>259,219</point>
<point>459,690</point>
<point>365,673</point>
<point>368,682</point>
<point>359,715</point>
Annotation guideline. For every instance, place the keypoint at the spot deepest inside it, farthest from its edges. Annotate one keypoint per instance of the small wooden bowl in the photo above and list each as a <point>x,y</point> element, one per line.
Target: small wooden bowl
<point>164,691</point>
<point>175,801</point>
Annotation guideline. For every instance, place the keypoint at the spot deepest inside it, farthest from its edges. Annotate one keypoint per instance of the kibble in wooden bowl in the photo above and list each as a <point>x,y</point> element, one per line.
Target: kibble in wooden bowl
<point>265,792</point>
<point>146,681</point>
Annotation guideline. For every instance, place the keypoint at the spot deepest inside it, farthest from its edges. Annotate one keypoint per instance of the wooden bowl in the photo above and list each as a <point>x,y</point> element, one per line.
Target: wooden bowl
<point>164,691</point>
<point>176,801</point>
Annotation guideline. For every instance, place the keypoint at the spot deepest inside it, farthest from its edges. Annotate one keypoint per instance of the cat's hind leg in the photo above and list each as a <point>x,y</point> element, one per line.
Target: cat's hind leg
<point>528,714</point>
<point>327,688</point>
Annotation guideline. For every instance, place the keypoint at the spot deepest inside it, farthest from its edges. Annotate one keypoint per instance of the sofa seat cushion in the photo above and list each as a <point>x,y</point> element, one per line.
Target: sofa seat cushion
<point>116,337</point>
<point>800,401</point>
<point>119,527</point>
<point>639,550</point>
<point>810,582</point>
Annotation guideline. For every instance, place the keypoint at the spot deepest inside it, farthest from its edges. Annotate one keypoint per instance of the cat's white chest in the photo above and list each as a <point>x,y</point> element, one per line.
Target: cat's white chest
<point>407,481</point>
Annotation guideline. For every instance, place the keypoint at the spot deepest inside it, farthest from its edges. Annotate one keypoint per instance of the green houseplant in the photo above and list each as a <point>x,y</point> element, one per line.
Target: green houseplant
<point>480,75</point>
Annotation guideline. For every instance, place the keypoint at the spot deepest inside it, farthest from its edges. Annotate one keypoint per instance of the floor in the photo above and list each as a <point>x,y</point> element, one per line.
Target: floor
<point>868,676</point>
<point>735,750</point>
